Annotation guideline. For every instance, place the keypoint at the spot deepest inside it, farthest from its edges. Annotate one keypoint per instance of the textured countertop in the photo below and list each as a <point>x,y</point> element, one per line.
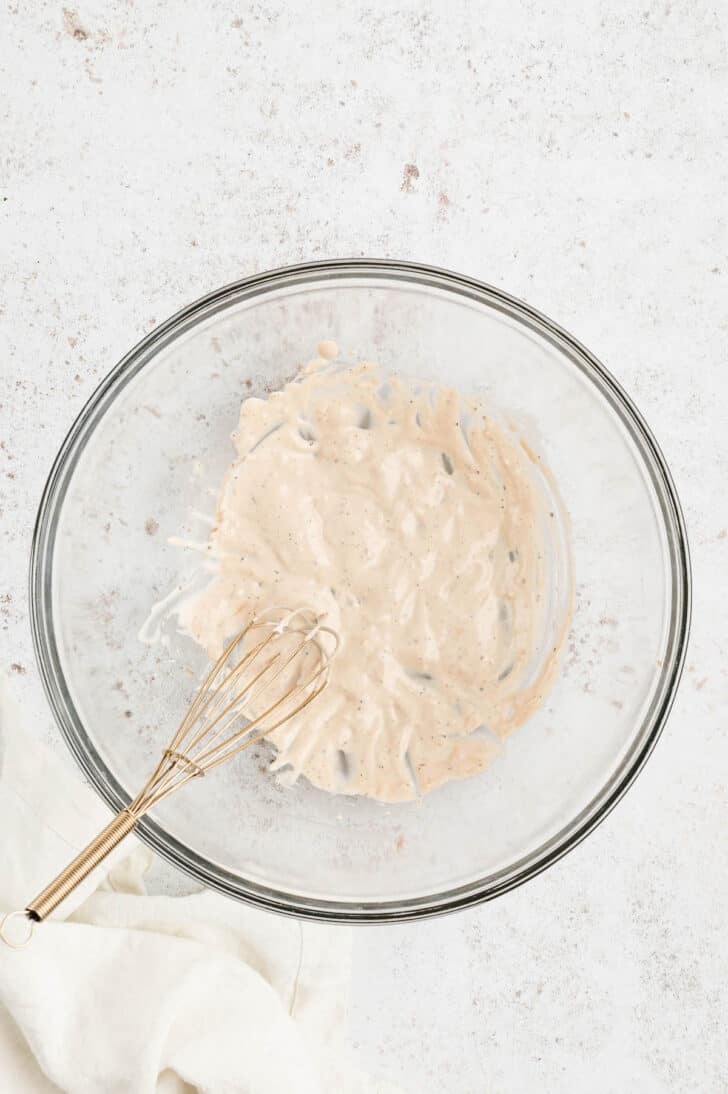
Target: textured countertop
<point>575,155</point>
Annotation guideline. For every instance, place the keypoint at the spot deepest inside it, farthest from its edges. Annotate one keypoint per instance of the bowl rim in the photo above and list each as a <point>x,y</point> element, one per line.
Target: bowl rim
<point>103,780</point>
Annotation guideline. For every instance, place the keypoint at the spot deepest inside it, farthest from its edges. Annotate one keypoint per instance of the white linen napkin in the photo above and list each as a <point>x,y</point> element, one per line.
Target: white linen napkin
<point>125,992</point>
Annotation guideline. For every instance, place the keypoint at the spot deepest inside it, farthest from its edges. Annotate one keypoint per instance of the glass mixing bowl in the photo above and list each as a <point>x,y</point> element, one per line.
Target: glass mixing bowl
<point>142,465</point>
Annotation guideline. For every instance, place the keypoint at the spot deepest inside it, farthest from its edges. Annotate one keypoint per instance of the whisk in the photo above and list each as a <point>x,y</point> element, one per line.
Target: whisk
<point>268,673</point>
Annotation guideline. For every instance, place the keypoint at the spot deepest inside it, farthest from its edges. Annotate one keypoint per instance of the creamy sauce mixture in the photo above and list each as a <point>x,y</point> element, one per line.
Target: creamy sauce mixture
<point>416,523</point>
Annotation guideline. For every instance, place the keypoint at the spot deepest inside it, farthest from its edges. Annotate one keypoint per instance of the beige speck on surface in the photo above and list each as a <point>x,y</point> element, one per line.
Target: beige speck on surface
<point>328,349</point>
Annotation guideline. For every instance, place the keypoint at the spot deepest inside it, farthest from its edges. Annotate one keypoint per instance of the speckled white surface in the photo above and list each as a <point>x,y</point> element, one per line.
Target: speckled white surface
<point>576,155</point>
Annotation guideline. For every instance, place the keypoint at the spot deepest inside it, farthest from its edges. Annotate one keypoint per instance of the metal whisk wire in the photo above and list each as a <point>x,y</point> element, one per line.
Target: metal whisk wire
<point>270,671</point>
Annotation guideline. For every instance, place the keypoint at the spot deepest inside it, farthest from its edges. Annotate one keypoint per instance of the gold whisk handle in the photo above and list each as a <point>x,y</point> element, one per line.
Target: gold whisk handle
<point>86,861</point>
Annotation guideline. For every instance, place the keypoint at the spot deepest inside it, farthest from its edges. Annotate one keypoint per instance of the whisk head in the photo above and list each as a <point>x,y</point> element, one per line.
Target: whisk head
<point>271,670</point>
